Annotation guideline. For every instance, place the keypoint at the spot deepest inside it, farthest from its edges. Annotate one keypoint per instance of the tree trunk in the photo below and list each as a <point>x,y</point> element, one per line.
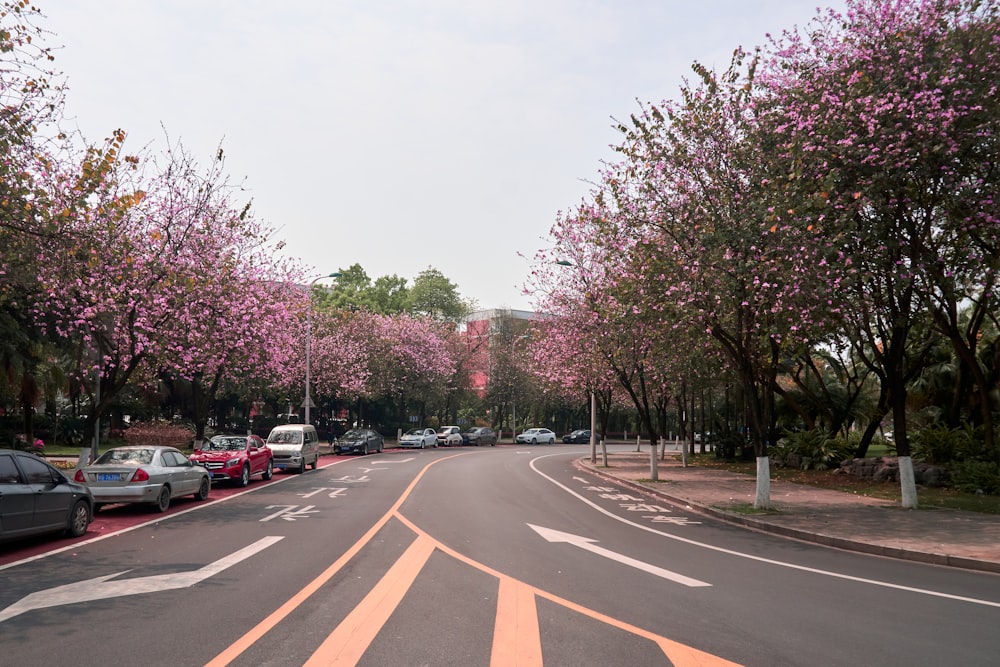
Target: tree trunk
<point>762,500</point>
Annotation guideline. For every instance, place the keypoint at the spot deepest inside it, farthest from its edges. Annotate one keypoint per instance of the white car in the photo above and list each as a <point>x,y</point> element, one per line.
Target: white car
<point>419,438</point>
<point>533,436</point>
<point>449,436</point>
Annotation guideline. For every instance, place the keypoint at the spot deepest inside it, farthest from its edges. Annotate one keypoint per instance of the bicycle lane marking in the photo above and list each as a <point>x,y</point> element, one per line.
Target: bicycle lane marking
<point>37,551</point>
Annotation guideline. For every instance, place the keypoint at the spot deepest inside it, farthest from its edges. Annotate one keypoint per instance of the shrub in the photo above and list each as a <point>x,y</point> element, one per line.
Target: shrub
<point>812,449</point>
<point>159,433</point>
<point>976,477</point>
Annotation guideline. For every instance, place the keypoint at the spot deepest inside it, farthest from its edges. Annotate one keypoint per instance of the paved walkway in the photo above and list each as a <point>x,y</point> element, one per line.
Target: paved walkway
<point>848,521</point>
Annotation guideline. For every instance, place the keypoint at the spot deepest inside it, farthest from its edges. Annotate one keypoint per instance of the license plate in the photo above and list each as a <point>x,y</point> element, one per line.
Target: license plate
<point>108,477</point>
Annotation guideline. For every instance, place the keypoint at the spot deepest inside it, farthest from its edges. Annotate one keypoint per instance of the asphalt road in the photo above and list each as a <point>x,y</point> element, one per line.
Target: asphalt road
<point>494,556</point>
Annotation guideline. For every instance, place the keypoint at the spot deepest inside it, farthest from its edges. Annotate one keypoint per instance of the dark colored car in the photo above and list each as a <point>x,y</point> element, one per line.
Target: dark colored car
<point>482,435</point>
<point>359,441</point>
<point>579,437</point>
<point>236,458</point>
<point>37,498</point>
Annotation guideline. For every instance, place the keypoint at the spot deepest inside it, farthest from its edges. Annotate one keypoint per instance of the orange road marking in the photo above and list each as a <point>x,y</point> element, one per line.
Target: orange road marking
<point>237,648</point>
<point>349,641</point>
<point>679,654</point>
<point>516,639</point>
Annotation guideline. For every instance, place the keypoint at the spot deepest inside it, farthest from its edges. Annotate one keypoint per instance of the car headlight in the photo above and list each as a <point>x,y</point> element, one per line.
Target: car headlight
<point>232,462</point>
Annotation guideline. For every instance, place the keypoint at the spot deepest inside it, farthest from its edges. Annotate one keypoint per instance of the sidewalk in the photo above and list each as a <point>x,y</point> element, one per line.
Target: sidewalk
<point>940,536</point>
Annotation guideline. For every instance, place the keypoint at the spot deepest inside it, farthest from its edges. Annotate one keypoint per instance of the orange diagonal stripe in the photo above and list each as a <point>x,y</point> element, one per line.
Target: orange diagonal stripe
<point>516,639</point>
<point>348,642</point>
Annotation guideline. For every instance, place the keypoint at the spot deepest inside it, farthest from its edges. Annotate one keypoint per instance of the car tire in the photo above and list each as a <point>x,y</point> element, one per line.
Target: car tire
<point>315,463</point>
<point>302,466</point>
<point>552,441</point>
<point>163,500</point>
<point>534,441</point>
<point>203,488</point>
<point>364,449</point>
<point>268,471</point>
<point>79,519</point>
<point>244,479</point>
<point>422,444</point>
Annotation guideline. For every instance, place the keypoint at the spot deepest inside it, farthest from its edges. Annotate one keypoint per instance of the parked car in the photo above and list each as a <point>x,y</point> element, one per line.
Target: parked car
<point>294,446</point>
<point>419,437</point>
<point>579,436</point>
<point>449,436</point>
<point>536,435</point>
<point>359,441</point>
<point>153,475</point>
<point>36,498</point>
<point>236,458</point>
<point>482,435</point>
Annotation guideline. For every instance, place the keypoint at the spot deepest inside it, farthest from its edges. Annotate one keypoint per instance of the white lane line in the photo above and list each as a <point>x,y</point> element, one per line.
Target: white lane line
<point>760,559</point>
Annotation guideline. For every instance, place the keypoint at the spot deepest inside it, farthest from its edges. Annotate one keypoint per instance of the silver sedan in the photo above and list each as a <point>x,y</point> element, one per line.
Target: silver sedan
<point>144,474</point>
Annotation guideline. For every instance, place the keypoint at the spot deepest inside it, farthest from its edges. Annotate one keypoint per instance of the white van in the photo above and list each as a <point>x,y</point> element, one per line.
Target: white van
<point>294,446</point>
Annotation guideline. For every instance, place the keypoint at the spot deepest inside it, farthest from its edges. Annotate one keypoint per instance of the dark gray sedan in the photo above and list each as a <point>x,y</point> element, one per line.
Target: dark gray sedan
<point>37,498</point>
<point>482,435</point>
<point>144,474</point>
<point>359,441</point>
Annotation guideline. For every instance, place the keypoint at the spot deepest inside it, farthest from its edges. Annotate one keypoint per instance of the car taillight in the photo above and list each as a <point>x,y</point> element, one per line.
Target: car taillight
<point>140,476</point>
<point>78,477</point>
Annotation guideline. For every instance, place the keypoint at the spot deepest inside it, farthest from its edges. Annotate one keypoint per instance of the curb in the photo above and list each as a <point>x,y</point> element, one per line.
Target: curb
<point>796,533</point>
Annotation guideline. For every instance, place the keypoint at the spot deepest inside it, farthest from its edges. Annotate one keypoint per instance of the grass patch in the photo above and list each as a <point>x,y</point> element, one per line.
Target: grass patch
<point>927,498</point>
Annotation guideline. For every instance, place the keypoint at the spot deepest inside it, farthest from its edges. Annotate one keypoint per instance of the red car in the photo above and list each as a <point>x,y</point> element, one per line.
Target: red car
<point>236,457</point>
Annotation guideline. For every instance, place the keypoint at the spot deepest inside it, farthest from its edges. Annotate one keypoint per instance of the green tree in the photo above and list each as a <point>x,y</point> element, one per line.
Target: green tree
<point>433,295</point>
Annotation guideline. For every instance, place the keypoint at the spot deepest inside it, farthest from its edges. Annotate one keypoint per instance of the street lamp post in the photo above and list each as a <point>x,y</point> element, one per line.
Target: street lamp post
<point>308,402</point>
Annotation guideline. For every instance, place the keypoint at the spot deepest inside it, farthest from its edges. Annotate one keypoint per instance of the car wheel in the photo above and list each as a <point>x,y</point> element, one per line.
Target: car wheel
<point>422,444</point>
<point>380,446</point>
<point>315,463</point>
<point>302,466</point>
<point>534,442</point>
<point>268,471</point>
<point>203,489</point>
<point>163,501</point>
<point>364,449</point>
<point>79,519</point>
<point>244,476</point>
<point>552,441</point>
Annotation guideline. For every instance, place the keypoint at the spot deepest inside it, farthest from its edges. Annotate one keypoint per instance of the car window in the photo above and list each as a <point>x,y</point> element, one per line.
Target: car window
<point>128,456</point>
<point>286,437</point>
<point>226,444</point>
<point>37,472</point>
<point>9,473</point>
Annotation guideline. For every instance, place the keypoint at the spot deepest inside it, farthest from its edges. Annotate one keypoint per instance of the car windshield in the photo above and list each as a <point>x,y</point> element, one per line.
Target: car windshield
<point>218,444</point>
<point>353,434</point>
<point>415,431</point>
<point>126,456</point>
<point>285,438</point>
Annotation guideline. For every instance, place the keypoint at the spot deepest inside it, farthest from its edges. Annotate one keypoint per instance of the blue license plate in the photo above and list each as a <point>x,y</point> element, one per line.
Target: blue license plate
<point>108,477</point>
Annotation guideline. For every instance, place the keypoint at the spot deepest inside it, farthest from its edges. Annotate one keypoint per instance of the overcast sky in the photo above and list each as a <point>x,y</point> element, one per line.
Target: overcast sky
<point>397,134</point>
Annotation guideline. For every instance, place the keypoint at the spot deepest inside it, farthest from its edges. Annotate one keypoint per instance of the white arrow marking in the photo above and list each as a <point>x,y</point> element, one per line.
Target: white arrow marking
<point>587,544</point>
<point>100,588</point>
